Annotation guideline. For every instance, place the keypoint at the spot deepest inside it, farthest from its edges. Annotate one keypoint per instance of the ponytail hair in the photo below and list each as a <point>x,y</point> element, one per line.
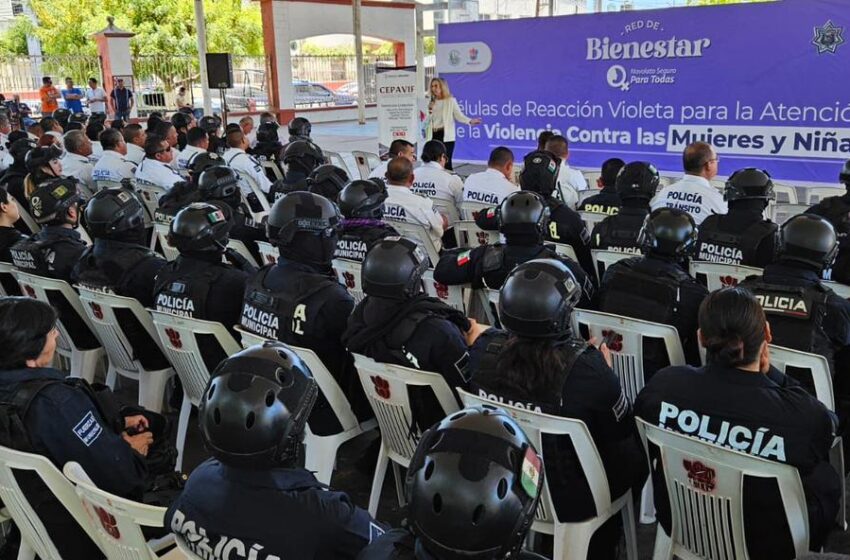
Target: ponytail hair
<point>732,323</point>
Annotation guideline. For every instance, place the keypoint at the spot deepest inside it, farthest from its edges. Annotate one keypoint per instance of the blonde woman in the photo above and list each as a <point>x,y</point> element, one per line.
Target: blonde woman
<point>444,112</point>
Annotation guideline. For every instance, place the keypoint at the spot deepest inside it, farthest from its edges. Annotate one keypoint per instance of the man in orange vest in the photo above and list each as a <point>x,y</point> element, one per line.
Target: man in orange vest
<point>49,96</point>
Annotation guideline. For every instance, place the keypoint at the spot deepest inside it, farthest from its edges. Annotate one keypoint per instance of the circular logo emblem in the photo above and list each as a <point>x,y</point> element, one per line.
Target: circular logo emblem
<point>618,77</point>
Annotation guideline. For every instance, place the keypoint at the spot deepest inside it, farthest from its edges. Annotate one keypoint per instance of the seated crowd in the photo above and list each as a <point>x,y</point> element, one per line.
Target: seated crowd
<point>475,481</point>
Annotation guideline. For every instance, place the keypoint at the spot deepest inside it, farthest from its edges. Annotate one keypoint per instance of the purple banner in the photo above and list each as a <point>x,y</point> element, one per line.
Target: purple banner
<point>767,84</point>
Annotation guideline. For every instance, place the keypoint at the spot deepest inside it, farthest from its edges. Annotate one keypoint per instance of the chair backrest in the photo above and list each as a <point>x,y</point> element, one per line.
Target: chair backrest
<point>366,162</point>
<point>27,218</point>
<point>603,259</point>
<point>842,290</point>
<point>6,277</point>
<point>177,335</point>
<point>781,212</point>
<point>101,310</point>
<point>149,195</point>
<point>448,208</point>
<point>38,287</point>
<point>335,158</point>
<point>591,177</point>
<point>624,337</point>
<point>451,295</point>
<point>705,488</point>
<point>566,251</point>
<point>468,234</point>
<point>590,219</point>
<point>268,251</point>
<point>785,194</point>
<point>348,274</point>
<point>242,250</point>
<point>469,208</point>
<point>115,522</point>
<point>169,251</point>
<point>386,387</point>
<point>718,183</point>
<point>185,548</point>
<point>101,184</point>
<point>535,424</point>
<point>33,531</point>
<point>275,169</point>
<point>718,275</point>
<point>783,358</point>
<point>418,231</point>
<point>584,195</point>
<point>816,194</point>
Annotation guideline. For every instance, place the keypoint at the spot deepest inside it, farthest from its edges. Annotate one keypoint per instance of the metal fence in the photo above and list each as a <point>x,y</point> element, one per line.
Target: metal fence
<point>22,74</point>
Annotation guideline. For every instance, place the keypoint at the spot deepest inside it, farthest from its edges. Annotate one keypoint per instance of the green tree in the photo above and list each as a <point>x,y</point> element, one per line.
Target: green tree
<point>14,40</point>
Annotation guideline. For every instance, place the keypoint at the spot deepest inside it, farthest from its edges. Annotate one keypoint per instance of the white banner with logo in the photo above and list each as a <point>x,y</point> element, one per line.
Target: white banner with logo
<point>398,106</point>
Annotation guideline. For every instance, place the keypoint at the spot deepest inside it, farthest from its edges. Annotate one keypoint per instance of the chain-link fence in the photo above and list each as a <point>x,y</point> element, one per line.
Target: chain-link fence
<point>21,75</point>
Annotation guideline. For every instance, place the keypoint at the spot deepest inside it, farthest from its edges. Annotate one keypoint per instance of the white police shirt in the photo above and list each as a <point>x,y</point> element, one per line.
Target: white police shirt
<point>403,205</point>
<point>79,167</point>
<point>135,154</point>
<point>6,158</point>
<point>113,167</point>
<point>96,151</point>
<point>380,172</point>
<point>184,158</point>
<point>694,195</point>
<point>431,180</point>
<point>570,182</point>
<point>242,162</point>
<point>153,172</point>
<point>489,186</point>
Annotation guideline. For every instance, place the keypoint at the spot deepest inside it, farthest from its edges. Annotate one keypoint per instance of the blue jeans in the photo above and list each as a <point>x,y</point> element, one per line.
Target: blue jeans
<point>123,115</point>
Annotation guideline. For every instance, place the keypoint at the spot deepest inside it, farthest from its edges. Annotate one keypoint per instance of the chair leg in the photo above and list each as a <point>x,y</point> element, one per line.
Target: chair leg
<point>378,481</point>
<point>562,550</point>
<point>630,529</point>
<point>152,389</point>
<point>663,545</point>
<point>182,428</point>
<point>399,485</point>
<point>320,457</point>
<point>111,377</point>
<point>647,504</point>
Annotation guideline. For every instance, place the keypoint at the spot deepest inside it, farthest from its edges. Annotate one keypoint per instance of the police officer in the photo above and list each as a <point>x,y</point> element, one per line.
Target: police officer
<point>113,164</point>
<point>252,495</point>
<point>836,209</point>
<point>201,163</point>
<point>327,180</point>
<point>636,184</point>
<point>361,203</point>
<point>742,235</point>
<point>608,200</point>
<point>237,157</point>
<point>197,143</point>
<point>219,183</point>
<point>301,158</point>
<point>181,122</point>
<point>397,323</point>
<point>523,219</point>
<point>156,169</point>
<point>540,364</point>
<point>501,480</point>
<point>803,313</point>
<point>740,401</point>
<point>432,180</point>
<point>300,129</point>
<point>13,178</point>
<point>9,235</point>
<point>44,165</point>
<point>299,300</point>
<point>657,287</point>
<point>118,261</point>
<point>197,284</point>
<point>54,250</point>
<point>268,148</point>
<point>179,196</point>
<point>212,125</point>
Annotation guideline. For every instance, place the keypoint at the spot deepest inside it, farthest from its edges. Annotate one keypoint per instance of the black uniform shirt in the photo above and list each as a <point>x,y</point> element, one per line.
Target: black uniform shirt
<point>358,236</point>
<point>620,232</point>
<point>606,202</point>
<point>757,237</point>
<point>60,251</point>
<point>8,237</point>
<point>768,416</point>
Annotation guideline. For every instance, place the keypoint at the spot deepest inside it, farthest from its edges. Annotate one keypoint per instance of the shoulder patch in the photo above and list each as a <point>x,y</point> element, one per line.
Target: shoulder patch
<point>463,258</point>
<point>88,429</point>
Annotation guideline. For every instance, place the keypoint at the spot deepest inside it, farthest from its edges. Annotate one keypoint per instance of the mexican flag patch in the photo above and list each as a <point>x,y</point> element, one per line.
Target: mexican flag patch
<point>491,212</point>
<point>530,474</point>
<point>463,258</point>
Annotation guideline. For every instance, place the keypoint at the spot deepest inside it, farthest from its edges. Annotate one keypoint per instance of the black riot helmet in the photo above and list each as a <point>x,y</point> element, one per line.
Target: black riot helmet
<point>303,155</point>
<point>62,116</point>
<point>80,118</point>
<point>220,183</point>
<point>50,202</point>
<point>201,227</point>
<point>204,161</point>
<point>41,156</point>
<point>256,405</point>
<point>300,129</point>
<point>540,172</point>
<point>668,232</point>
<point>523,214</point>
<point>809,239</point>
<point>538,298</point>
<point>20,148</point>
<point>749,183</point>
<point>267,133</point>
<point>327,180</point>
<point>210,124</point>
<point>363,199</point>
<point>393,268</point>
<point>114,214</point>
<point>305,227</point>
<point>637,179</point>
<point>473,486</point>
<point>844,176</point>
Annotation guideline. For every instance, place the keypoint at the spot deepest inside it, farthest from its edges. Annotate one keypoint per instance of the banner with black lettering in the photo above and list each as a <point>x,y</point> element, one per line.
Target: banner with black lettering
<point>398,106</point>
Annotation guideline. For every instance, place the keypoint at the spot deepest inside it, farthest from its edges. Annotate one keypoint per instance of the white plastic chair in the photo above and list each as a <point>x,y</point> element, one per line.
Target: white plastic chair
<point>451,295</point>
<point>585,194</point>
<point>705,483</point>
<point>718,275</point>
<point>419,233</point>
<point>366,162</point>
<point>122,352</point>
<point>27,218</point>
<point>101,184</point>
<point>780,213</point>
<point>468,234</point>
<point>469,208</point>
<point>386,387</point>
<point>35,541</point>
<point>624,337</point>
<point>84,363</point>
<point>603,259</point>
<point>566,251</point>
<point>149,195</point>
<point>268,251</point>
<point>7,277</point>
<point>448,208</point>
<point>274,168</point>
<point>816,194</point>
<point>590,219</point>
<point>841,290</point>
<point>169,251</point>
<point>241,249</point>
<point>348,274</point>
<point>571,539</point>
<point>321,451</point>
<point>115,523</point>
<point>591,177</point>
<point>254,187</point>
<point>718,183</point>
<point>177,335</point>
<point>335,158</point>
<point>785,194</point>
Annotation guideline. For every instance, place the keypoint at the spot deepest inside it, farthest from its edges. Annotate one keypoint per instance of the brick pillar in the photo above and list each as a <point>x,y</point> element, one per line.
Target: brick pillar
<point>113,46</point>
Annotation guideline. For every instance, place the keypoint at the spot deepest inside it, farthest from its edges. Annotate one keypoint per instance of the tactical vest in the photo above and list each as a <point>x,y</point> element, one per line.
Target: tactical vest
<point>648,296</point>
<point>731,248</point>
<point>796,315</point>
<point>499,260</point>
<point>185,293</point>
<point>835,209</point>
<point>284,315</point>
<point>618,233</point>
<point>351,247</point>
<point>490,383</point>
<point>110,273</point>
<point>29,255</point>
